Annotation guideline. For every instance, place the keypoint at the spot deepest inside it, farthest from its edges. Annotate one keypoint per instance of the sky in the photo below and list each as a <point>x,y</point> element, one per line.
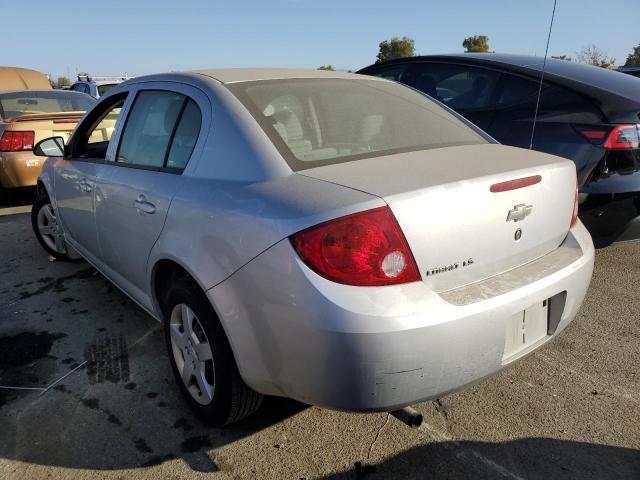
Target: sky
<point>114,37</point>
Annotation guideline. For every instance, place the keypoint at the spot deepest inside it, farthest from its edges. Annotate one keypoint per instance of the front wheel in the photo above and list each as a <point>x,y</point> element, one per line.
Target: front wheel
<point>47,228</point>
<point>202,360</point>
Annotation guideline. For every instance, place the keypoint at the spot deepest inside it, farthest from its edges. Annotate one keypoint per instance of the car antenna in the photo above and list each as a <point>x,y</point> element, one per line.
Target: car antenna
<point>544,68</point>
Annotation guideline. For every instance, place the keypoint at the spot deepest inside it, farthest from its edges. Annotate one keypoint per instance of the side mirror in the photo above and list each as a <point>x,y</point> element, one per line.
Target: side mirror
<point>49,147</point>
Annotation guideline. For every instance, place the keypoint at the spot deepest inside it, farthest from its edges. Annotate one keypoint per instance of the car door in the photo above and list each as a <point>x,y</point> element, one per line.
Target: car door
<point>75,176</point>
<point>137,184</point>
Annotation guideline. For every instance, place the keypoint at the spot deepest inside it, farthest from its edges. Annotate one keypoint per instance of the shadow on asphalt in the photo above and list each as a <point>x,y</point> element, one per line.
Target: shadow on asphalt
<point>17,197</point>
<point>86,382</point>
<point>546,458</point>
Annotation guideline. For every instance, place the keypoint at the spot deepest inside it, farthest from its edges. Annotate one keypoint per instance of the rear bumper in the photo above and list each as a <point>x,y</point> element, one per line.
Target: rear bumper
<point>19,169</point>
<point>295,334</point>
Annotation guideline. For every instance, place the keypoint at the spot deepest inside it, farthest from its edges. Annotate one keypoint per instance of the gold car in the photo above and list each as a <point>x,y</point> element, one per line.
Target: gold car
<point>15,78</point>
<point>28,116</point>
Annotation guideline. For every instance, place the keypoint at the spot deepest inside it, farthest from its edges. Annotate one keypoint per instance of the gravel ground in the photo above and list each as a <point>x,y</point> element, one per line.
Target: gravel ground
<point>92,395</point>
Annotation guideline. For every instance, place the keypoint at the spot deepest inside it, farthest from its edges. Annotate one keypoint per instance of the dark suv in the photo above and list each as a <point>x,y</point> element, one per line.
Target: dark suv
<point>587,114</point>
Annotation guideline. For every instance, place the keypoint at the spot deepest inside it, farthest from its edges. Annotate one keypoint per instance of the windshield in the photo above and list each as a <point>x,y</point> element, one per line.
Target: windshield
<point>15,104</point>
<point>105,87</point>
<point>317,122</point>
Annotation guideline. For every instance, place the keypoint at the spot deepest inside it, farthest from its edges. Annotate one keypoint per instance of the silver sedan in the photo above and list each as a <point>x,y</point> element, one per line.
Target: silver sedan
<point>337,239</point>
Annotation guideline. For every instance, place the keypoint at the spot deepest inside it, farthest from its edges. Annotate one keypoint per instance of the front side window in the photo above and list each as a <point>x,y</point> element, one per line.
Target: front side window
<point>94,135</point>
<point>161,131</point>
<point>391,73</point>
<point>321,121</point>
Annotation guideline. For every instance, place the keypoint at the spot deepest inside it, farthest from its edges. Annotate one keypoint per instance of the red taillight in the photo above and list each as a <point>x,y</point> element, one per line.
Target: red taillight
<point>363,249</point>
<point>13,141</point>
<point>623,137</point>
<point>574,213</point>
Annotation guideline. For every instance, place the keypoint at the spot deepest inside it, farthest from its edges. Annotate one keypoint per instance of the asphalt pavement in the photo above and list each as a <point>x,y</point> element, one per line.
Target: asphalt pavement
<point>86,391</point>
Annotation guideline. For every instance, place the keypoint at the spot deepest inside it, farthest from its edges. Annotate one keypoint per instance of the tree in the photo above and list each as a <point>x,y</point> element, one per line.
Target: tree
<point>592,55</point>
<point>62,82</point>
<point>477,43</point>
<point>327,67</point>
<point>396,48</point>
<point>562,57</point>
<point>633,59</point>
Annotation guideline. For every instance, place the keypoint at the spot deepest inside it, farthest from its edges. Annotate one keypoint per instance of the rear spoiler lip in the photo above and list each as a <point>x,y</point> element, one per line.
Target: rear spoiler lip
<point>77,115</point>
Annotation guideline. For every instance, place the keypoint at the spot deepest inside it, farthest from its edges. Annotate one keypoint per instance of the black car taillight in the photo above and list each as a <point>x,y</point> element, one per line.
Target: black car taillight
<point>595,135</point>
<point>623,137</point>
<point>621,144</point>
<point>622,147</point>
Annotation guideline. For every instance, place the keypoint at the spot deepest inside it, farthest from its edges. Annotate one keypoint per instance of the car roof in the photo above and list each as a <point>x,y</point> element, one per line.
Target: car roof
<point>233,75</point>
<point>16,78</point>
<point>602,84</point>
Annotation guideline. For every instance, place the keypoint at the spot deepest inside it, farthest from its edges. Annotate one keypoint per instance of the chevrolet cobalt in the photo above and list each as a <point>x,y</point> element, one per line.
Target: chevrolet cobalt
<point>333,238</point>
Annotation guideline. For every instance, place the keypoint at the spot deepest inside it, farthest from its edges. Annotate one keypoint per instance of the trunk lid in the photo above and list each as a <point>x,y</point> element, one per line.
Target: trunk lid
<point>44,125</point>
<point>459,230</point>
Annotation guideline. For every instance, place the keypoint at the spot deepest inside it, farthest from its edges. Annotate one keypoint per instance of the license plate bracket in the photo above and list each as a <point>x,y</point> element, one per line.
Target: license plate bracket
<point>526,328</point>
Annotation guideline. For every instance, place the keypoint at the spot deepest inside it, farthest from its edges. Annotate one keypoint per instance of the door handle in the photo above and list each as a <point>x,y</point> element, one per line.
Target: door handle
<point>143,206</point>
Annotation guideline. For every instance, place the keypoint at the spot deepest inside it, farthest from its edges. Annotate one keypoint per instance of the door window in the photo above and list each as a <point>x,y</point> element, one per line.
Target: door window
<point>514,90</point>
<point>185,137</point>
<point>93,136</point>
<point>391,73</point>
<point>161,131</point>
<point>459,87</point>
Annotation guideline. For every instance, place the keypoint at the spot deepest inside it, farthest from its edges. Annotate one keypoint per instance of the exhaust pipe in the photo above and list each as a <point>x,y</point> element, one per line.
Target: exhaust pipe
<point>409,416</point>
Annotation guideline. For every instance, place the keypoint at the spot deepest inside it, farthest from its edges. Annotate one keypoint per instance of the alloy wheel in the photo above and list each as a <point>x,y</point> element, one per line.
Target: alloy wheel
<point>192,354</point>
<point>50,230</point>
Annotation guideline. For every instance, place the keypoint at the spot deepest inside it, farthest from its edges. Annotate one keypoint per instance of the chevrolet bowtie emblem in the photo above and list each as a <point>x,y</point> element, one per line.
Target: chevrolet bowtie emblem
<point>519,212</point>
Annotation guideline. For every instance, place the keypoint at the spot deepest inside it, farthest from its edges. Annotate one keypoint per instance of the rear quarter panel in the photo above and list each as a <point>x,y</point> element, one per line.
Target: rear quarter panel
<point>214,227</point>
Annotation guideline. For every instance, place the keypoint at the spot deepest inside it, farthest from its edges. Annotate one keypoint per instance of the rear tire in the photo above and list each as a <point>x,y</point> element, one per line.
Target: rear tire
<point>201,357</point>
<point>47,229</point>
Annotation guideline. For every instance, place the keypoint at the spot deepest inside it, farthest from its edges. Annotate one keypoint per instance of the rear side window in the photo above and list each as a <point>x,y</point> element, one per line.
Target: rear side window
<point>160,132</point>
<point>513,90</point>
<point>463,88</point>
<point>185,137</point>
<point>558,104</point>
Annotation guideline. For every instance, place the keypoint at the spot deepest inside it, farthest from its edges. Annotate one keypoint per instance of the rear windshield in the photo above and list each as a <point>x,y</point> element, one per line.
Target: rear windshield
<point>105,87</point>
<point>316,122</point>
<point>15,104</point>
